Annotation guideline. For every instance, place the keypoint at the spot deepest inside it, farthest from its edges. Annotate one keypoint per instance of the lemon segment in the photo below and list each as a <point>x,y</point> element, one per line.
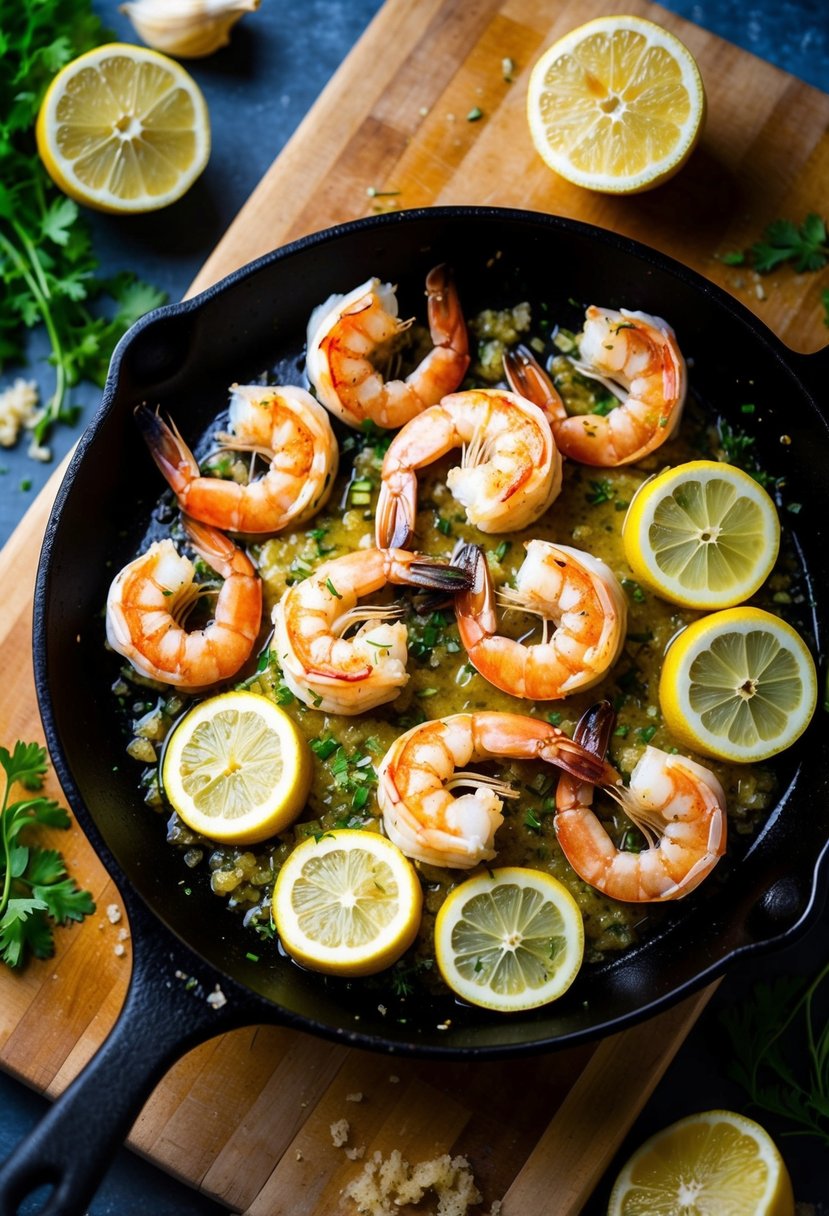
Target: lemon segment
<point>123,129</point>
<point>347,904</point>
<point>508,940</point>
<point>617,105</point>
<point>702,534</point>
<point>738,685</point>
<point>236,769</point>
<point>710,1163</point>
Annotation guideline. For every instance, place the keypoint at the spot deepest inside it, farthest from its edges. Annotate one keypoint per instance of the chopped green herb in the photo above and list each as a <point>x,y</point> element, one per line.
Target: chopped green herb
<point>747,408</point>
<point>736,257</point>
<point>646,733</point>
<point>26,484</point>
<point>622,731</point>
<point>474,114</point>
<point>600,491</point>
<point>253,958</point>
<point>444,526</point>
<point>824,299</point>
<point>426,692</point>
<point>502,550</point>
<point>332,588</point>
<point>323,747</point>
<point>794,507</point>
<point>531,821</point>
<point>554,717</point>
<point>634,590</point>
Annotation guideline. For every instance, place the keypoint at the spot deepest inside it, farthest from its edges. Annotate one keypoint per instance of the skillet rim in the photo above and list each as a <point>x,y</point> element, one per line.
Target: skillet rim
<point>139,907</point>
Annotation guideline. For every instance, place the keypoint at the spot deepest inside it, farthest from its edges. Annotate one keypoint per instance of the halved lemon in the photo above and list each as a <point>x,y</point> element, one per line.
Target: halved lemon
<point>705,1165</point>
<point>702,534</point>
<point>616,105</point>
<point>348,903</point>
<point>738,685</point>
<point>123,129</point>
<point>236,768</point>
<point>510,939</point>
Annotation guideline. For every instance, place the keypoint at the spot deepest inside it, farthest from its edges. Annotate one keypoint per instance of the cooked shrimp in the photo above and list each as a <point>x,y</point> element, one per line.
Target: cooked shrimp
<point>148,604</point>
<point>677,804</point>
<point>420,770</point>
<point>345,333</point>
<point>510,468</point>
<point>348,675</point>
<point>286,427</point>
<point>634,355</point>
<point>573,591</point>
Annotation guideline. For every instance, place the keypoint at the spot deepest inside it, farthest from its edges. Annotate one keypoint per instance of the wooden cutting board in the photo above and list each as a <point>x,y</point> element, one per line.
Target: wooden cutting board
<point>245,1117</point>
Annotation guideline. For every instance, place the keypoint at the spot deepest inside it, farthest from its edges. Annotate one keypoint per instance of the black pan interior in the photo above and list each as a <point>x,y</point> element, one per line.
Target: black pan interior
<point>184,358</point>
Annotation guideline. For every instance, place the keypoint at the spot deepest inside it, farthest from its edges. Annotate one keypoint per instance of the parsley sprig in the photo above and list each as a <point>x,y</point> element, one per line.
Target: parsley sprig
<point>35,888</point>
<point>780,1045</point>
<point>47,265</point>
<point>805,245</point>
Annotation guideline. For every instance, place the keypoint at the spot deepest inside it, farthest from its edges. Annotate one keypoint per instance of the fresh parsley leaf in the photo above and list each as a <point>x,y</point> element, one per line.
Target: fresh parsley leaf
<point>34,887</point>
<point>824,299</point>
<point>783,241</point>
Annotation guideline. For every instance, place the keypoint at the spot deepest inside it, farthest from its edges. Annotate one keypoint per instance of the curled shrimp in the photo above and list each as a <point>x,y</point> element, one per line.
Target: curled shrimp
<point>572,591</point>
<point>637,358</point>
<point>286,427</point>
<point>677,804</point>
<point>345,333</point>
<point>348,675</point>
<point>510,468</point>
<point>419,772</point>
<point>150,598</point>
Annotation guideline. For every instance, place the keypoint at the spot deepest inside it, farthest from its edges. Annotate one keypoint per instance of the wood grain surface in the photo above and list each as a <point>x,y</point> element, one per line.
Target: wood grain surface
<point>246,1116</point>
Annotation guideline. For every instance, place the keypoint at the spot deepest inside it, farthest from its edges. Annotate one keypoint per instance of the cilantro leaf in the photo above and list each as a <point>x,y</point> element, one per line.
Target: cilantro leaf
<point>64,900</point>
<point>26,764</point>
<point>58,219</point>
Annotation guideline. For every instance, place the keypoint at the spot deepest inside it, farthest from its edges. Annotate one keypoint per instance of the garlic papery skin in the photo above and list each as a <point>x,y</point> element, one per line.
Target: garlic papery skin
<point>187,29</point>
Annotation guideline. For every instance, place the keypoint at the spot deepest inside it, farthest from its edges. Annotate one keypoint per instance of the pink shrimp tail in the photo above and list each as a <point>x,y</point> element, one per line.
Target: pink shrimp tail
<point>176,462</point>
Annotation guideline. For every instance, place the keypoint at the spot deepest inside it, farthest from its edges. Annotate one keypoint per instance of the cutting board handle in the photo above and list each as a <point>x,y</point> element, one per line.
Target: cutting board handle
<point>166,1012</point>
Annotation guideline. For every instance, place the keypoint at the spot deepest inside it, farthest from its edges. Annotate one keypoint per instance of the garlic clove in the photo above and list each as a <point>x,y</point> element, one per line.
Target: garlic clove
<point>188,29</point>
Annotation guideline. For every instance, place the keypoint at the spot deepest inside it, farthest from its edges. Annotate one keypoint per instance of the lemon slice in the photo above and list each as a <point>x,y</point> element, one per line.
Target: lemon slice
<point>511,939</point>
<point>738,685</point>
<point>123,129</point>
<point>616,105</point>
<point>236,769</point>
<point>706,1165</point>
<point>703,534</point>
<point>348,903</point>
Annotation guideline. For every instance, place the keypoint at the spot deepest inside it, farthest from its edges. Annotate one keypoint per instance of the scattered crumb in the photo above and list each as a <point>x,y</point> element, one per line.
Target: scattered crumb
<point>759,291</point>
<point>423,111</point>
<point>354,1154</point>
<point>123,935</point>
<point>39,451</point>
<point>358,1097</point>
<point>120,950</point>
<point>216,999</point>
<point>297,1155</point>
<point>382,1010</point>
<point>387,1184</point>
<point>339,1132</point>
<point>113,914</point>
<point>394,1079</point>
<point>18,409</point>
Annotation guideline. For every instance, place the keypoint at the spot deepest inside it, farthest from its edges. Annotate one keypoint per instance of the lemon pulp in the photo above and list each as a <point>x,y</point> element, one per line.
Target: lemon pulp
<point>512,939</point>
<point>616,105</point>
<point>123,128</point>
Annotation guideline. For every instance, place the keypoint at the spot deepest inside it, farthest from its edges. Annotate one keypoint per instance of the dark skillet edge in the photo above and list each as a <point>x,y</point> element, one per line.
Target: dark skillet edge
<point>251,1005</point>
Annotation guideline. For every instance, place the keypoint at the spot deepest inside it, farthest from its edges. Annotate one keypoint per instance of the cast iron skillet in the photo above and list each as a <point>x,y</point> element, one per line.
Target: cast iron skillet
<point>183,357</point>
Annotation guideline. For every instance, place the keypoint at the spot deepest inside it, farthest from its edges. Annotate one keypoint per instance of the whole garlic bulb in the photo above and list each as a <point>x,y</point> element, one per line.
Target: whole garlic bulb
<point>188,29</point>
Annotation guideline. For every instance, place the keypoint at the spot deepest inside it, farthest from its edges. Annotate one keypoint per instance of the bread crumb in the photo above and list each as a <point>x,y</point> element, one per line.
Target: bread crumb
<point>339,1132</point>
<point>119,949</point>
<point>298,1155</point>
<point>123,935</point>
<point>113,914</point>
<point>216,999</point>
<point>354,1154</point>
<point>387,1184</point>
<point>358,1097</point>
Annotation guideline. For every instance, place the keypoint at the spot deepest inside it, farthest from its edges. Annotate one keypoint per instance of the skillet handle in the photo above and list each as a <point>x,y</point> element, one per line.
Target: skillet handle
<point>165,1013</point>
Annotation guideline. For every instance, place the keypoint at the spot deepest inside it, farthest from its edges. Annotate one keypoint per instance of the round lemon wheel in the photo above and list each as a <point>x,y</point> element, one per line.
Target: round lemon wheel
<point>348,903</point>
<point>508,940</point>
<point>123,129</point>
<point>738,685</point>
<point>707,1164</point>
<point>617,105</point>
<point>702,534</point>
<point>236,769</point>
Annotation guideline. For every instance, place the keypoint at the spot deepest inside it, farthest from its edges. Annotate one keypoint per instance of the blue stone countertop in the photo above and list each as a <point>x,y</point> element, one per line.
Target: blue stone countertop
<point>276,66</point>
